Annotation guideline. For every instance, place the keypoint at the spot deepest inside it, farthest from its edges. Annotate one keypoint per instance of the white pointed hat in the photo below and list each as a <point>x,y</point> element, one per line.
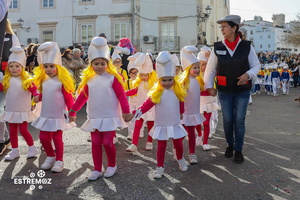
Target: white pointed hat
<point>204,53</point>
<point>165,65</point>
<point>98,49</point>
<point>175,60</point>
<point>116,55</point>
<point>132,59</point>
<point>187,56</point>
<point>49,52</point>
<point>144,63</point>
<point>17,55</point>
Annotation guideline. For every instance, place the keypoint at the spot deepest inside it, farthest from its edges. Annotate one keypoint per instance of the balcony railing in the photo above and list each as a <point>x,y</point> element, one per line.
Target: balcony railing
<point>167,43</point>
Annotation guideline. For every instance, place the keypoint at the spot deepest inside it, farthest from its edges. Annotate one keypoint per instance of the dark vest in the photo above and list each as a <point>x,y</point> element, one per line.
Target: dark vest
<point>6,47</point>
<point>229,68</point>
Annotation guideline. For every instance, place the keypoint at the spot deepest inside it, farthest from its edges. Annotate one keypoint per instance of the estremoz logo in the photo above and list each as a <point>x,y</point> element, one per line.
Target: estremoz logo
<point>33,180</point>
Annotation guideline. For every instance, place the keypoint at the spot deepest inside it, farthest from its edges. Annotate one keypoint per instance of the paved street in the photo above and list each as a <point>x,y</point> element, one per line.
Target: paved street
<point>271,169</point>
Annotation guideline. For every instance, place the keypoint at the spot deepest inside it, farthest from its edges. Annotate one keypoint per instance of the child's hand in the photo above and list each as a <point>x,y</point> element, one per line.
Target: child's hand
<point>72,118</point>
<point>127,117</point>
<point>36,99</point>
<point>181,116</point>
<point>212,91</point>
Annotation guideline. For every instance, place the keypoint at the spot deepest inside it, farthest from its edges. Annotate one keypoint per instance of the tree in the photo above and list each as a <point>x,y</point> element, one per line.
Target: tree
<point>292,36</point>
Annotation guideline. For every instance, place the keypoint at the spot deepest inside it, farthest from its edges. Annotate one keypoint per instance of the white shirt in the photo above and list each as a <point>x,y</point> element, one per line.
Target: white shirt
<point>211,68</point>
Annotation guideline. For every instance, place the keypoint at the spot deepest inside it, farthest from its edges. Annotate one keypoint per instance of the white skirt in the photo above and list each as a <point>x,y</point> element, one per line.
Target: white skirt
<point>17,117</point>
<point>165,132</point>
<point>193,120</point>
<point>103,124</point>
<point>52,124</point>
<point>209,107</point>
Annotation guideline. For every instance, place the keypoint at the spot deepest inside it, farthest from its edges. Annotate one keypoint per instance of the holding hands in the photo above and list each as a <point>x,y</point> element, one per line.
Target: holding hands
<point>127,117</point>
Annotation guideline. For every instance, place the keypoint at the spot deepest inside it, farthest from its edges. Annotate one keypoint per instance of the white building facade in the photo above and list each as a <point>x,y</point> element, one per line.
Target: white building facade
<point>157,25</point>
<point>268,36</point>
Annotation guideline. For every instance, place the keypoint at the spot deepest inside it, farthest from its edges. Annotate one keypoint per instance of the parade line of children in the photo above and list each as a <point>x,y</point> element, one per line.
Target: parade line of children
<point>168,99</point>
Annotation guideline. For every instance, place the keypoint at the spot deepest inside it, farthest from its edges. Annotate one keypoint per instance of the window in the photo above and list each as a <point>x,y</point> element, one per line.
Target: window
<point>269,46</point>
<point>86,33</point>
<point>260,37</point>
<point>86,2</point>
<point>225,3</point>
<point>47,31</point>
<point>269,36</point>
<point>168,40</point>
<point>120,27</point>
<point>251,32</point>
<point>48,3</point>
<point>13,4</point>
<point>260,46</point>
<point>120,31</point>
<point>120,1</point>
<point>48,36</point>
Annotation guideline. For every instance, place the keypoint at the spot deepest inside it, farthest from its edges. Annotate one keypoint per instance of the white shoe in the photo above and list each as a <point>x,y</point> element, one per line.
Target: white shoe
<point>132,148</point>
<point>32,152</point>
<point>58,166</point>
<point>149,146</point>
<point>110,171</point>
<point>198,141</point>
<point>115,140</point>
<point>15,153</point>
<point>206,147</point>
<point>182,165</point>
<point>94,175</point>
<point>48,163</point>
<point>193,159</point>
<point>142,134</point>
<point>159,172</point>
<point>129,137</point>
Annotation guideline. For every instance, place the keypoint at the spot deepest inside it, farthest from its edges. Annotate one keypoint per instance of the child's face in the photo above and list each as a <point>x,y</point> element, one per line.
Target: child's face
<point>50,69</point>
<point>195,70</point>
<point>167,81</point>
<point>99,65</point>
<point>133,73</point>
<point>117,63</point>
<point>15,69</point>
<point>178,69</point>
<point>202,65</point>
<point>144,76</point>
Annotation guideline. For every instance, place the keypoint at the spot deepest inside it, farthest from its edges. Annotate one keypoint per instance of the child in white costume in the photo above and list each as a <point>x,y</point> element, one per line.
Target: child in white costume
<point>107,106</point>
<point>18,86</point>
<point>133,72</point>
<point>142,84</point>
<point>167,96</point>
<point>191,115</point>
<point>285,78</point>
<point>56,87</point>
<point>117,61</point>
<point>208,104</point>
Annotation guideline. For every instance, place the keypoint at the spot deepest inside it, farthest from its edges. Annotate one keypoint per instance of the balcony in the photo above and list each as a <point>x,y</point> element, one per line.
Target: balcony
<point>167,43</point>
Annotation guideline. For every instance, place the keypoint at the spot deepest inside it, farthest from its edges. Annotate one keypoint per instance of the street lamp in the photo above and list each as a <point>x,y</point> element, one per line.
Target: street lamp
<point>21,22</point>
<point>202,18</point>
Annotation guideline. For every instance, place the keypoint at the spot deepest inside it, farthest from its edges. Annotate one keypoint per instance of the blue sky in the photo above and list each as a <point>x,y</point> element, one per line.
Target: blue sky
<point>247,9</point>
